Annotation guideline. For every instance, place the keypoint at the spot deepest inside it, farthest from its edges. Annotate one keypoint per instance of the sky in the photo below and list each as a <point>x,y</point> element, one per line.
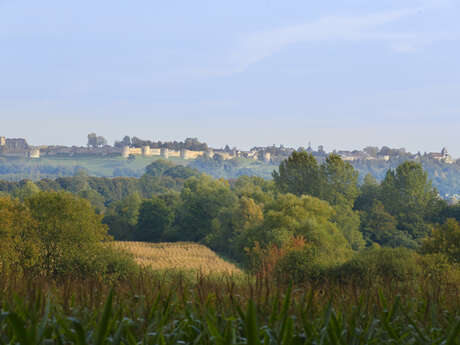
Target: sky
<point>344,74</point>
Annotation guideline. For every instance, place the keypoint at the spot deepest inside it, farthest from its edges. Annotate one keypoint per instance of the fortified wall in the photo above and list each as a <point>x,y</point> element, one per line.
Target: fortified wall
<point>147,151</point>
<point>166,153</point>
<point>18,147</point>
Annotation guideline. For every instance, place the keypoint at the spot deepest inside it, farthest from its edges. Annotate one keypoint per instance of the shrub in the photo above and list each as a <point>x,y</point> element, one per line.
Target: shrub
<point>377,264</point>
<point>298,266</point>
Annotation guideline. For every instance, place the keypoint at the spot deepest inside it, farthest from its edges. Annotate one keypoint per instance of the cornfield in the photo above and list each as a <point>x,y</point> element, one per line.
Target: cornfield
<point>182,317</point>
<point>167,307</point>
<point>178,255</point>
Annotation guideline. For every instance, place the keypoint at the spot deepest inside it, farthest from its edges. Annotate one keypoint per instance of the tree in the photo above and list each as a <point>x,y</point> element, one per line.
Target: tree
<point>96,141</point>
<point>371,150</point>
<point>202,199</point>
<point>155,220</point>
<point>101,141</point>
<point>408,195</point>
<point>256,188</point>
<point>180,172</point>
<point>158,168</point>
<point>27,188</point>
<point>290,219</point>
<point>126,141</point>
<point>305,216</point>
<point>348,221</point>
<point>444,239</point>
<point>341,181</point>
<point>378,226</point>
<point>92,140</point>
<point>232,225</point>
<point>335,181</point>
<point>299,174</point>
<point>122,217</point>
<point>96,200</point>
<point>341,190</point>
<point>79,182</point>
<point>19,246</point>
<point>69,232</point>
<point>368,194</point>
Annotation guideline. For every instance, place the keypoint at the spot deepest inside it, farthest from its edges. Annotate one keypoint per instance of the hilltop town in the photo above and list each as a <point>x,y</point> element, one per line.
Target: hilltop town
<point>192,148</point>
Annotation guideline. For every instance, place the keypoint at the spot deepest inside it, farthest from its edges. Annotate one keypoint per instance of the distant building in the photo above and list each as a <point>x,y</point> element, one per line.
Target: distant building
<point>267,157</point>
<point>34,153</point>
<point>14,147</point>
<point>443,156</point>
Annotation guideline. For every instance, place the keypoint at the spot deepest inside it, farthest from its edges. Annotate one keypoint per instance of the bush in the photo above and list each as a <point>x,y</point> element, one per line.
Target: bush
<point>376,264</point>
<point>437,269</point>
<point>298,266</point>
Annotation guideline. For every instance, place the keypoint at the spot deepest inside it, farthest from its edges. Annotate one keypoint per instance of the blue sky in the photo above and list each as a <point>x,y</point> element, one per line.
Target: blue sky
<point>343,74</point>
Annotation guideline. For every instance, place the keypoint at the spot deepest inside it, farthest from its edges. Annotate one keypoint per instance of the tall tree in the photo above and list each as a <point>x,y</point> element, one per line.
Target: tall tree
<point>96,141</point>
<point>408,195</point>
<point>368,194</point>
<point>299,174</point>
<point>92,140</point>
<point>341,181</point>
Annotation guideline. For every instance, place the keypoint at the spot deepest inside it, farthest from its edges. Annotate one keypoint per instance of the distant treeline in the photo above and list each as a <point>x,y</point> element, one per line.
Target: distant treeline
<point>445,177</point>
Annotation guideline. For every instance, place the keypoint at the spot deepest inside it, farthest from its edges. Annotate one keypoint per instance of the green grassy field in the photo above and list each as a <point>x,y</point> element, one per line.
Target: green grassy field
<point>45,167</point>
<point>14,169</point>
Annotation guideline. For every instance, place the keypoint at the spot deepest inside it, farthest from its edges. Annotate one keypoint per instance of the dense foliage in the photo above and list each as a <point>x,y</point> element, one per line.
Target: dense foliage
<point>344,245</point>
<point>310,212</point>
<point>56,234</point>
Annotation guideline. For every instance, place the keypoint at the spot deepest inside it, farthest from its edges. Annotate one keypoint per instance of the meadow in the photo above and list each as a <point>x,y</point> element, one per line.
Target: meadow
<point>15,169</point>
<point>50,167</point>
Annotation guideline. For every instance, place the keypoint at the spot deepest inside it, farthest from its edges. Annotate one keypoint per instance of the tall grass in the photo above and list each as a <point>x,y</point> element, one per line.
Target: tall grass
<point>172,309</point>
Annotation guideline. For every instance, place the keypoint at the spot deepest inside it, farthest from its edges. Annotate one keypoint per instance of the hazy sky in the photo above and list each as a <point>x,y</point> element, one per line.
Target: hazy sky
<point>343,74</point>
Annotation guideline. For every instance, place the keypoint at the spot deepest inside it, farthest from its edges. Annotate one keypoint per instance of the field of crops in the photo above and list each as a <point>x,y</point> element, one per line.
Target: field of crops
<point>149,309</point>
<point>178,255</point>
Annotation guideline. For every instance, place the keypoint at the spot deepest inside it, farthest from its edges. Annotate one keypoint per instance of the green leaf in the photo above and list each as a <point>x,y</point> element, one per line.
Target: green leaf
<point>104,322</point>
<point>251,325</point>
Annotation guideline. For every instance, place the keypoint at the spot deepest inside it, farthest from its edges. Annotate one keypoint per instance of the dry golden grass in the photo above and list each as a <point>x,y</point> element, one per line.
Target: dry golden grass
<point>177,255</point>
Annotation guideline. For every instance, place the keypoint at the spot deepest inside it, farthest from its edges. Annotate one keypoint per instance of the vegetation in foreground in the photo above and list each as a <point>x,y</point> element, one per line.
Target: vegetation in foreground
<point>154,308</point>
